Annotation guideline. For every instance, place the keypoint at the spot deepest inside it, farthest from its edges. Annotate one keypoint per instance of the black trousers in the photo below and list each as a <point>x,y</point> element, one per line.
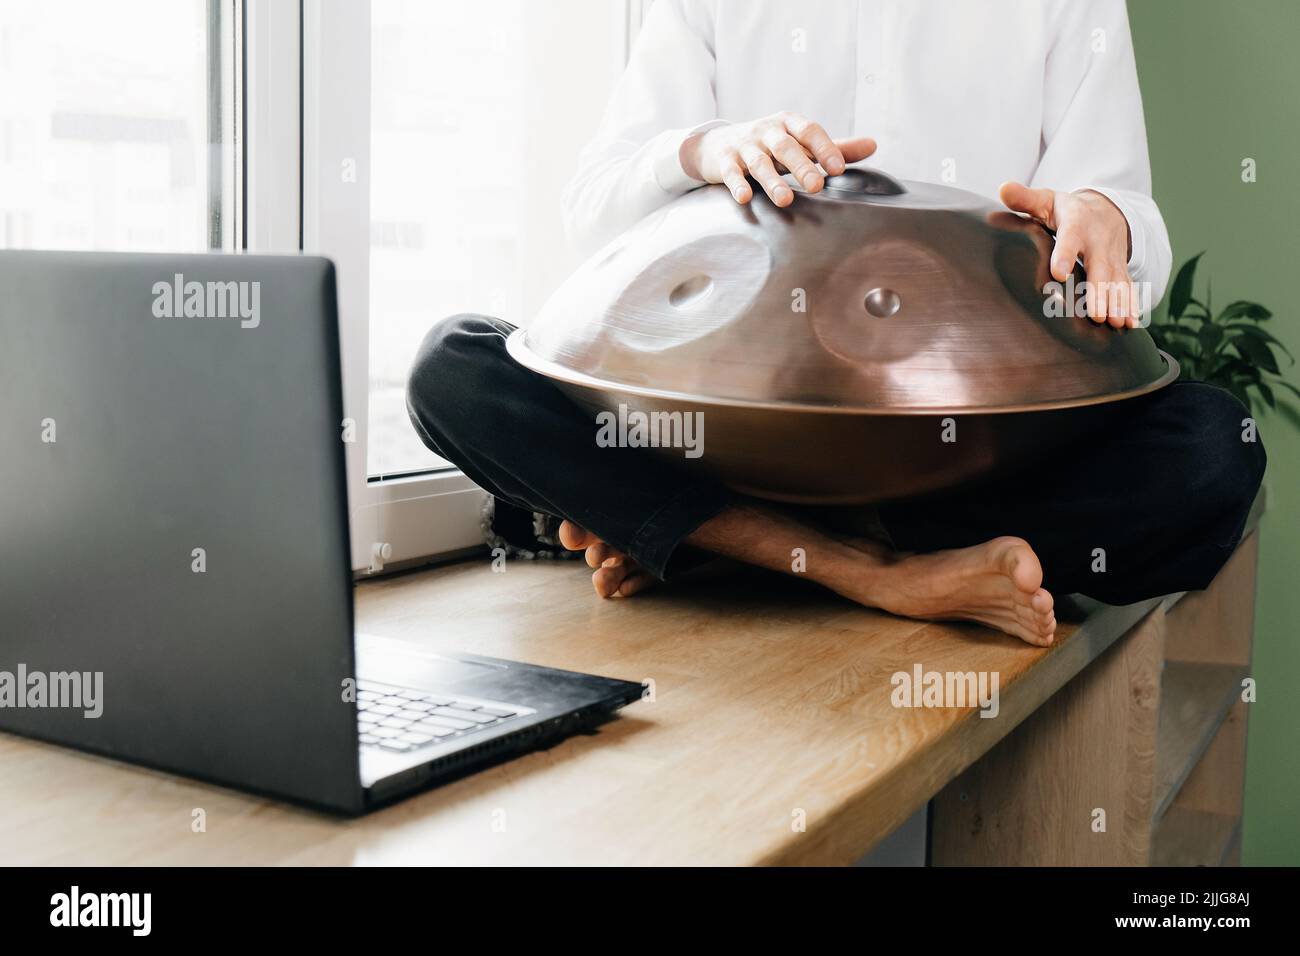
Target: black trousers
<point>1164,495</point>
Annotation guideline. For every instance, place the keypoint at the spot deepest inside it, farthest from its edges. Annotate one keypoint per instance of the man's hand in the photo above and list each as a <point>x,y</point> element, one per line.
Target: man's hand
<point>1086,223</point>
<point>764,147</point>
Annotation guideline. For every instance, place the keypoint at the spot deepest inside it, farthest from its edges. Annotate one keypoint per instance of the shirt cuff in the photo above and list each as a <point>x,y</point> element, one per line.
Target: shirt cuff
<point>1137,260</point>
<point>666,167</point>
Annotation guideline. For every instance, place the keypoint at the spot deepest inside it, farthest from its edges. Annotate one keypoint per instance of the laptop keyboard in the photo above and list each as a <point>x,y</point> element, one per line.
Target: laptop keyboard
<point>400,720</point>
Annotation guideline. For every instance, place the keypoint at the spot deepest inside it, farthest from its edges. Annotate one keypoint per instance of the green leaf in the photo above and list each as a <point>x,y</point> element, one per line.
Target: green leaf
<point>1267,393</point>
<point>1290,413</point>
<point>1196,310</point>
<point>1288,386</point>
<point>1226,368</point>
<point>1181,292</point>
<point>1179,330</point>
<point>1236,365</point>
<point>1253,350</point>
<point>1254,331</point>
<point>1244,310</point>
<point>1239,392</point>
<point>1209,337</point>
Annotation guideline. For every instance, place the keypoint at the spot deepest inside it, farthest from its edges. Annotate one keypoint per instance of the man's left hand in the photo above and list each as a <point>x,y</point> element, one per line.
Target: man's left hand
<point>1086,224</point>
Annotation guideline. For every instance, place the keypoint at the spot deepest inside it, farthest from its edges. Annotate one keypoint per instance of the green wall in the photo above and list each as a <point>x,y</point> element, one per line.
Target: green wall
<point>1220,82</point>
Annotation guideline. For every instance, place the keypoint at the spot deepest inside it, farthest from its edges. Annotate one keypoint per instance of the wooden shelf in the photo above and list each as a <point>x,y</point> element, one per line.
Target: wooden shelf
<point>1153,732</point>
<point>1194,700</point>
<point>1190,837</point>
<point>1202,825</point>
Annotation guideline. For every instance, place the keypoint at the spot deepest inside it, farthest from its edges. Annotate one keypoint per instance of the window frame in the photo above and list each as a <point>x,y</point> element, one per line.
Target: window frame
<point>271,119</point>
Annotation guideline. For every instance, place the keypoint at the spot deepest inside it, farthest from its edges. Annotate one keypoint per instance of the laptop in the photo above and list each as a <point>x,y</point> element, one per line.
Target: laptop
<point>175,580</point>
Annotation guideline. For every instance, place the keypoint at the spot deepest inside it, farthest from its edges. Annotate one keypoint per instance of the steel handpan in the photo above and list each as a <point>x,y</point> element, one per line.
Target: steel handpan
<point>872,341</point>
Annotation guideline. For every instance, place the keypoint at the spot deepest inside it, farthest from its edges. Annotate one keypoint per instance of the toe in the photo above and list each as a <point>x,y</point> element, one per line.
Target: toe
<point>1042,601</point>
<point>619,577</point>
<point>1032,627</point>
<point>609,577</point>
<point>575,538</point>
<point>634,582</point>
<point>1017,561</point>
<point>1047,628</point>
<point>1032,635</point>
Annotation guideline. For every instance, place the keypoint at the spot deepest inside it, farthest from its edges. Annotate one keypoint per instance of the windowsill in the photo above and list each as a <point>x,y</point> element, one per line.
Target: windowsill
<point>422,518</point>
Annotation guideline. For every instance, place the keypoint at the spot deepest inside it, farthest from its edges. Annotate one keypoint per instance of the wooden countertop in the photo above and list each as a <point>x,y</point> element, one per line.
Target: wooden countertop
<point>771,707</point>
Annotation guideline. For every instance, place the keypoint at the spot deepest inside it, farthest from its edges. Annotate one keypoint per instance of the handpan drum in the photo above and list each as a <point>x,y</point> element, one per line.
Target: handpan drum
<point>875,340</point>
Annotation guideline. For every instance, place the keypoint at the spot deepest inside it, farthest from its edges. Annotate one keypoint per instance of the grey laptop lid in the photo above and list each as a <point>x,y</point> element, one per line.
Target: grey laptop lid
<point>173,515</point>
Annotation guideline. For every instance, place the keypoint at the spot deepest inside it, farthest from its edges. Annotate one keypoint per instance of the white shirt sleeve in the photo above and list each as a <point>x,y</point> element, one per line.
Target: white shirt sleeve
<point>666,94</point>
<point>1094,135</point>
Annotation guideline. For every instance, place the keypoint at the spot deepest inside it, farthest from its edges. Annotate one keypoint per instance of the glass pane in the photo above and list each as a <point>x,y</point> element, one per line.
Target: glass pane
<point>104,120</point>
<point>478,111</point>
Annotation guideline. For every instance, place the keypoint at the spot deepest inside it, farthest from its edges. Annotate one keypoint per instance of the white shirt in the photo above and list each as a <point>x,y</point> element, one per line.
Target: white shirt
<point>970,93</point>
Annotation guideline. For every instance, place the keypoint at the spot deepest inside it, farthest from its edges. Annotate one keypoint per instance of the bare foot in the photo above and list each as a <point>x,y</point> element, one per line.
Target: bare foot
<point>616,575</point>
<point>997,583</point>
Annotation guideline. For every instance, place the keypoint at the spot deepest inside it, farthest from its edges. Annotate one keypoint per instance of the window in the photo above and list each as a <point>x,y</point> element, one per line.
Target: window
<point>119,132</point>
<point>421,145</point>
<point>437,140</point>
<point>477,111</point>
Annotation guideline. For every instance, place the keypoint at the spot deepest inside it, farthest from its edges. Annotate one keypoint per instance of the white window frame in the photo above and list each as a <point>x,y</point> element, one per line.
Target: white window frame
<point>393,520</point>
<point>272,129</point>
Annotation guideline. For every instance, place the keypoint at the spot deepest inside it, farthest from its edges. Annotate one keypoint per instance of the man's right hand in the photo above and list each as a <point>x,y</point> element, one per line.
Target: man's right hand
<point>764,147</point>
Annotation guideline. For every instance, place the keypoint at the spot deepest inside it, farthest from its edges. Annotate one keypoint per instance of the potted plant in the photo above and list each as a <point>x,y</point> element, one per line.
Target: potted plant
<point>1230,349</point>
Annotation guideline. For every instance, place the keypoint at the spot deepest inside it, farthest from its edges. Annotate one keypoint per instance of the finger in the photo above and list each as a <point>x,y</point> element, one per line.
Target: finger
<point>816,141</point>
<point>1117,308</point>
<point>1093,303</point>
<point>1096,299</point>
<point>791,153</point>
<point>1134,302</point>
<point>1039,203</point>
<point>761,168</point>
<point>1111,293</point>
<point>1065,255</point>
<point>855,149</point>
<point>1118,298</point>
<point>734,176</point>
